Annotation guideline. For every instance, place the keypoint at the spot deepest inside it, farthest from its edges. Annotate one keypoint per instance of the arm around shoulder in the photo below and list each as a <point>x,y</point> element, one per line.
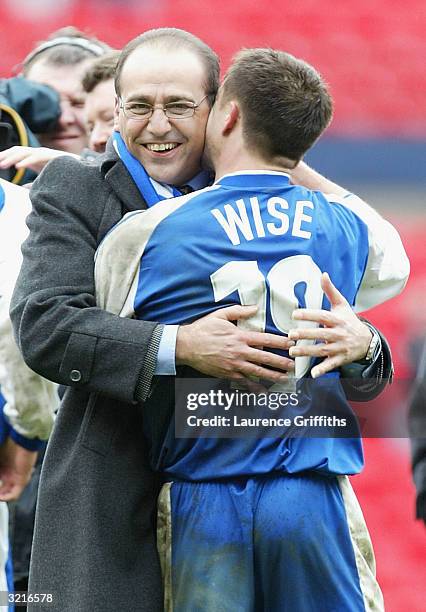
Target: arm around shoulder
<point>388,267</point>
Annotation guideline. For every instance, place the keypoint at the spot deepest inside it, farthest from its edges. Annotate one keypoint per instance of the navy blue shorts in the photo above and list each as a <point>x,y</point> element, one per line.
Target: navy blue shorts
<point>290,543</point>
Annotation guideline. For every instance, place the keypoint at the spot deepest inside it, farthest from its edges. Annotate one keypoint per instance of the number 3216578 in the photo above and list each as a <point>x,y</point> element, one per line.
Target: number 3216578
<point>23,597</point>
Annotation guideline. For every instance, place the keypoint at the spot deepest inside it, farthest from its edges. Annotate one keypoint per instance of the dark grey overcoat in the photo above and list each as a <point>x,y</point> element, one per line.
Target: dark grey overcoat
<point>94,545</point>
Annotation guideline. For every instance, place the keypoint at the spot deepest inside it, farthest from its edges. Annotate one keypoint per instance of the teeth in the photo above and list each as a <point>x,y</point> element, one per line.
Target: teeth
<point>163,146</point>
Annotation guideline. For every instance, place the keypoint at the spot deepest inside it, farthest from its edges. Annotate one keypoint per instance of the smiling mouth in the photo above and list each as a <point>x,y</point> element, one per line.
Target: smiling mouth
<point>161,147</point>
<point>65,136</point>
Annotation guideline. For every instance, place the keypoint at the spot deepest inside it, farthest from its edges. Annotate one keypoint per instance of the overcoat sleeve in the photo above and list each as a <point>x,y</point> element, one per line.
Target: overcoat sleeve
<point>61,332</point>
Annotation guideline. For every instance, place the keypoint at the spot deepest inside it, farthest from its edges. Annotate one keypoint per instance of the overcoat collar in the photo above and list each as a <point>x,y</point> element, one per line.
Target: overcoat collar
<point>120,181</point>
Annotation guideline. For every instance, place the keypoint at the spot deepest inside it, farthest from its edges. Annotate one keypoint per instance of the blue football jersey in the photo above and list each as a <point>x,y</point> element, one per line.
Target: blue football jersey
<point>251,238</point>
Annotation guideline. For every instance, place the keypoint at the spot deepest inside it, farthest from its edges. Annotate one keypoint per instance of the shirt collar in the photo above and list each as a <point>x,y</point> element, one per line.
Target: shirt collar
<point>199,181</point>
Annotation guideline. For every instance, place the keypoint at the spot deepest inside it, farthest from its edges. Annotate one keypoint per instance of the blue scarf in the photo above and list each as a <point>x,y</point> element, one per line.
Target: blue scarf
<point>138,173</point>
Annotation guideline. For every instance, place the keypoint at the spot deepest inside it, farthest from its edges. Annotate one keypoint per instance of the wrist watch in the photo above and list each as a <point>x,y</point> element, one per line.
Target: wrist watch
<point>373,347</point>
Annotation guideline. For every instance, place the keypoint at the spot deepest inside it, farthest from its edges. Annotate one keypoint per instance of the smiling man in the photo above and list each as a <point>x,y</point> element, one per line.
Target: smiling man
<point>60,62</point>
<point>171,143</point>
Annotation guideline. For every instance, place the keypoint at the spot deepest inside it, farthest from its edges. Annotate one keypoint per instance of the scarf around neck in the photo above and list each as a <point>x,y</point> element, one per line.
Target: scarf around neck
<point>138,173</point>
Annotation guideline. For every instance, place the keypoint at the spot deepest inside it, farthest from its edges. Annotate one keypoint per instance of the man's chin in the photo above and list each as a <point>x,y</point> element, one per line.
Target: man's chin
<point>171,175</point>
<point>68,145</point>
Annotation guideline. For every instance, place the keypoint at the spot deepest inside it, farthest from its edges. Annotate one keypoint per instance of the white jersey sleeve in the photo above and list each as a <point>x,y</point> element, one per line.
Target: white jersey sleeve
<point>31,400</point>
<point>388,267</point>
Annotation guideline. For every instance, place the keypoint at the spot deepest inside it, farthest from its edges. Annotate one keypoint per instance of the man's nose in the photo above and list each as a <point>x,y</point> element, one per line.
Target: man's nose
<point>98,138</point>
<point>67,116</point>
<point>159,123</point>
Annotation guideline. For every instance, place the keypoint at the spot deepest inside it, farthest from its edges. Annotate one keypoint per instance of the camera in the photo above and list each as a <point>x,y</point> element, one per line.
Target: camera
<point>26,108</point>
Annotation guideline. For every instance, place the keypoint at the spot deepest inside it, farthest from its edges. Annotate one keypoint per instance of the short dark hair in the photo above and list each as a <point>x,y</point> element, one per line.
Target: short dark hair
<point>173,38</point>
<point>284,101</point>
<point>67,46</point>
<point>101,69</point>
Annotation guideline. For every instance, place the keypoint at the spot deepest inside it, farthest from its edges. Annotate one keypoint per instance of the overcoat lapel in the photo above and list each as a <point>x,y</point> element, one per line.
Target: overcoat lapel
<point>121,182</point>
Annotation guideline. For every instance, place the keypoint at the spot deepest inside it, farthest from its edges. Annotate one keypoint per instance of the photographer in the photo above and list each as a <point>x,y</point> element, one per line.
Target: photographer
<point>25,107</point>
<point>60,63</point>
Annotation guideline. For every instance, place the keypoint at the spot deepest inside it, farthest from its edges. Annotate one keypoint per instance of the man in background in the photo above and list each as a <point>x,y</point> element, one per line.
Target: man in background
<point>98,83</point>
<point>60,62</point>
<point>417,431</point>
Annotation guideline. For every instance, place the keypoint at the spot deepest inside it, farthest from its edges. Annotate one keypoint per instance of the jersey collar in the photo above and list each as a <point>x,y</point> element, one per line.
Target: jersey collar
<point>258,179</point>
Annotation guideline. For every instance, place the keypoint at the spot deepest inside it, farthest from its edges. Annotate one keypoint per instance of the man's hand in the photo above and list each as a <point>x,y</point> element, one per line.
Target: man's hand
<point>16,466</point>
<point>34,158</point>
<point>342,339</point>
<point>215,346</point>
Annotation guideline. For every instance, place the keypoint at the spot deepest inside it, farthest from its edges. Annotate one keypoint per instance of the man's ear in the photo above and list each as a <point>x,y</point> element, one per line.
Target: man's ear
<point>231,117</point>
<point>116,113</point>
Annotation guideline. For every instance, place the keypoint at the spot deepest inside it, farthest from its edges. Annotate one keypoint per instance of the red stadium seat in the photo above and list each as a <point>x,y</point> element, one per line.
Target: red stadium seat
<point>371,53</point>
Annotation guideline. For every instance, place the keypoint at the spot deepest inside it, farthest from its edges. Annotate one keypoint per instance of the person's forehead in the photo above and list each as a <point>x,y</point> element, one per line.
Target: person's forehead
<point>161,72</point>
<point>102,96</point>
<point>99,103</point>
<point>65,79</point>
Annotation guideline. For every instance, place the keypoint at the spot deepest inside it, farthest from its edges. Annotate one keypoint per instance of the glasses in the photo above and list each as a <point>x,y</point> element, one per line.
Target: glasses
<point>141,111</point>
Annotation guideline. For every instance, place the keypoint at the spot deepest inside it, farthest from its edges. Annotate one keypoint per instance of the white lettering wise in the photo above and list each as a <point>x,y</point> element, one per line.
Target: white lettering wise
<point>300,217</point>
<point>273,203</point>
<point>233,221</point>
<point>257,218</point>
